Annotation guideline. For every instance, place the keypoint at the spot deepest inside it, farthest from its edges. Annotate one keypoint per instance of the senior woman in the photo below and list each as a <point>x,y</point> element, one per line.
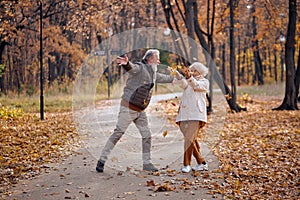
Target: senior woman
<point>192,114</point>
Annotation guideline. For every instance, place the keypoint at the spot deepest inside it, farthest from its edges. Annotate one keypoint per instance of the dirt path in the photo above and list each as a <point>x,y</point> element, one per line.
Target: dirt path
<point>76,178</point>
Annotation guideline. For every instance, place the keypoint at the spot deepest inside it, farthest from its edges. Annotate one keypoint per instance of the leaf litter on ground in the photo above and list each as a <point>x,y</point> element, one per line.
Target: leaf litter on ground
<point>28,144</point>
<point>258,150</point>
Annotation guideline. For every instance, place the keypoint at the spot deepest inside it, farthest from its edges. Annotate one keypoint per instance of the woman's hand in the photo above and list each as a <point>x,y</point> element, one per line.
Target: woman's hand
<point>187,73</point>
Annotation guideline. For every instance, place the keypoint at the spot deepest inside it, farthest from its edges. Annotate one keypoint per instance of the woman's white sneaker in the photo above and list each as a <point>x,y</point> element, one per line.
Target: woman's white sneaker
<point>186,169</point>
<point>201,167</point>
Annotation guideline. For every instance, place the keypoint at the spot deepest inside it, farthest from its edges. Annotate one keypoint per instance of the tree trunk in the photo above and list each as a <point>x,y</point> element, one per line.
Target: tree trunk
<point>168,14</point>
<point>16,72</point>
<point>297,79</point>
<point>199,33</point>
<point>281,63</point>
<point>223,61</point>
<point>275,65</point>
<point>232,52</point>
<point>290,98</point>
<point>2,46</point>
<point>190,26</point>
<point>270,61</point>
<point>244,65</point>
<point>239,61</point>
<point>257,60</point>
<point>210,32</point>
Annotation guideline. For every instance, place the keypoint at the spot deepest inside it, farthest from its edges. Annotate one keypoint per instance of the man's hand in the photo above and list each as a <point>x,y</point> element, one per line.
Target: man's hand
<point>122,60</point>
<point>174,72</point>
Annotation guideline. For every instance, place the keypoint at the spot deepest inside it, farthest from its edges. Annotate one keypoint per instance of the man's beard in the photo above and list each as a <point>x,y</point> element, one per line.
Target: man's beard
<point>154,67</point>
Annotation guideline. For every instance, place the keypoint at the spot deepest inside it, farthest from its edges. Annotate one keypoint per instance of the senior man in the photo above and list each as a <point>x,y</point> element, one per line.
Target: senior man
<point>135,99</point>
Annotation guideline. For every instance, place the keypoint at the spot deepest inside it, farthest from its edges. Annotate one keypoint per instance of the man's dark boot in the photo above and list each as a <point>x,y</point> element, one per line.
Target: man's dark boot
<point>100,166</point>
<point>149,167</point>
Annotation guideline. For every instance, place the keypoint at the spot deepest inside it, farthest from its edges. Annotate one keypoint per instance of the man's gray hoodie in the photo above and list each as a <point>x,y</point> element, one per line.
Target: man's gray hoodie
<point>138,90</point>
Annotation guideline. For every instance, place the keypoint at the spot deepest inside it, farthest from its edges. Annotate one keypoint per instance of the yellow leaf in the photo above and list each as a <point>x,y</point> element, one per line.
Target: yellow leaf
<point>228,97</point>
<point>173,73</point>
<point>35,155</point>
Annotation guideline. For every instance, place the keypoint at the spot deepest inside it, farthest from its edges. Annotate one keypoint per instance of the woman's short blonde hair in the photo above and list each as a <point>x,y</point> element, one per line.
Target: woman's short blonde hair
<point>200,68</point>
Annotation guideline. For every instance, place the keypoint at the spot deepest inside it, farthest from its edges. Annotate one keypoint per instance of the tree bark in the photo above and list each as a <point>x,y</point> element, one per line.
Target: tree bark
<point>257,60</point>
<point>239,61</point>
<point>297,79</point>
<point>210,33</point>
<point>281,63</point>
<point>290,98</point>
<point>232,52</point>
<point>275,65</point>
<point>2,46</point>
<point>270,65</point>
<point>223,61</point>
<point>190,26</point>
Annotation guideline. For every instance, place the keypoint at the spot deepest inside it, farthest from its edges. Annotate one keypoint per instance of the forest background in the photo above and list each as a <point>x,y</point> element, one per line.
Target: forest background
<point>253,43</point>
<point>246,39</point>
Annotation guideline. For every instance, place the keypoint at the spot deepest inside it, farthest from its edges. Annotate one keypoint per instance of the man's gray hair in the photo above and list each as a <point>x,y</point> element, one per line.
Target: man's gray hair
<point>150,53</point>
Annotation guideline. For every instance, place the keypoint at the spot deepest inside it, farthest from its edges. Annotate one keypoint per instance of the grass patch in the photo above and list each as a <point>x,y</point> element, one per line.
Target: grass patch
<point>62,102</point>
<point>263,90</point>
<point>53,103</point>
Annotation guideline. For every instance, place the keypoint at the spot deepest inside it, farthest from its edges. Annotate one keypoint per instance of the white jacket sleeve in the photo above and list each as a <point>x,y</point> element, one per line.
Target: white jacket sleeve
<point>201,85</point>
<point>181,82</point>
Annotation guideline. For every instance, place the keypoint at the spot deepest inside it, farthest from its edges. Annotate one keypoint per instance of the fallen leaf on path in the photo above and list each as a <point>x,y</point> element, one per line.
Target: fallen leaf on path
<point>150,183</point>
<point>165,133</point>
<point>163,188</point>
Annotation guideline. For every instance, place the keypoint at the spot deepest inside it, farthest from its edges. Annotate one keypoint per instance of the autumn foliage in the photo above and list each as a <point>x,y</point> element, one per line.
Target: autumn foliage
<point>258,149</point>
<point>73,28</point>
